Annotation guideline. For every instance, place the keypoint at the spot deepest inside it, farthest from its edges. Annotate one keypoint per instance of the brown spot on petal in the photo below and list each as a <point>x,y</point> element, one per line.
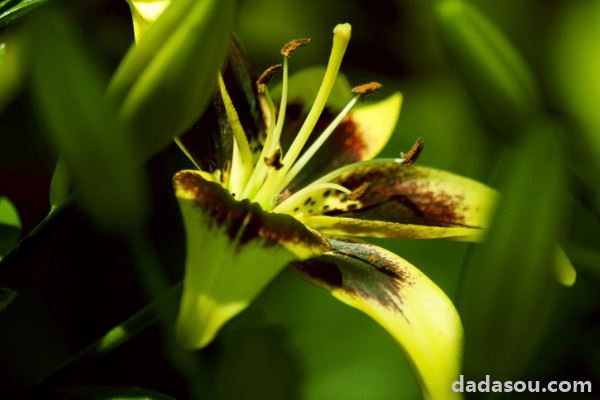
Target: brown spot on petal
<point>400,194</point>
<point>290,47</point>
<point>243,221</point>
<point>322,271</point>
<point>275,160</point>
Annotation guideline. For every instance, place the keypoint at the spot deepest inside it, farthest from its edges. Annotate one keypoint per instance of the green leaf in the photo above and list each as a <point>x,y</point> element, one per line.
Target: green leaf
<point>391,199</point>
<point>509,281</point>
<point>576,62</point>
<point>10,226</point>
<point>81,124</point>
<point>60,186</point>
<point>403,300</point>
<point>166,80</point>
<point>109,393</point>
<point>11,10</point>
<point>234,249</point>
<point>12,66</point>
<point>492,70</point>
<point>6,297</point>
<point>144,13</point>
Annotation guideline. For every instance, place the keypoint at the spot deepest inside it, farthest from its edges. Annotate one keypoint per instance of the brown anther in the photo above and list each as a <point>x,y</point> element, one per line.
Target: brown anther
<point>415,151</point>
<point>290,47</point>
<point>266,76</point>
<point>366,88</point>
<point>359,191</point>
<point>275,160</point>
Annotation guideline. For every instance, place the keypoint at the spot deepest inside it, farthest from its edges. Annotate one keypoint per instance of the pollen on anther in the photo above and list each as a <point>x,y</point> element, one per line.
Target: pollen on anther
<point>366,88</point>
<point>267,74</point>
<point>415,151</point>
<point>290,47</point>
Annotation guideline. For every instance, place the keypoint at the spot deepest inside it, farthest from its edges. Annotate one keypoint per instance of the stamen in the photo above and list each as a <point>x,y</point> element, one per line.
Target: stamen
<point>290,47</point>
<point>316,145</point>
<point>272,142</point>
<point>413,154</point>
<point>360,91</point>
<point>300,196</point>
<point>266,76</point>
<point>359,191</point>
<point>341,37</point>
<point>366,88</point>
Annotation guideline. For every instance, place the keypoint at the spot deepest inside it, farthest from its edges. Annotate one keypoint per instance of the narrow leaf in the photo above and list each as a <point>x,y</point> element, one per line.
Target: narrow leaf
<point>6,297</point>
<point>492,70</point>
<point>10,226</point>
<point>11,11</point>
<point>509,281</point>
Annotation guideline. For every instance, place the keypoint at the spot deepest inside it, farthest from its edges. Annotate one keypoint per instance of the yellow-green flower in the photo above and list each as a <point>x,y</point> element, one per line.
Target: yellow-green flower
<point>291,185</point>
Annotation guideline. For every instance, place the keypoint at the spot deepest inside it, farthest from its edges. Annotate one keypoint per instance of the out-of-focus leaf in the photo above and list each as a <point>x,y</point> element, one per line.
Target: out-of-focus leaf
<point>11,10</point>
<point>60,185</point>
<point>10,226</point>
<point>11,66</point>
<point>564,272</point>
<point>144,13</point>
<point>509,280</point>
<point>404,301</point>
<point>6,297</point>
<point>166,80</point>
<point>81,124</point>
<point>576,62</point>
<point>234,249</point>
<point>492,70</point>
<point>110,393</point>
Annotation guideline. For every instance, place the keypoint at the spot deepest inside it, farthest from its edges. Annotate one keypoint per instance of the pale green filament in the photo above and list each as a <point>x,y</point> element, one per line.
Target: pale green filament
<point>185,151</point>
<point>273,136</point>
<point>239,136</point>
<point>341,37</point>
<point>311,151</point>
<point>300,196</point>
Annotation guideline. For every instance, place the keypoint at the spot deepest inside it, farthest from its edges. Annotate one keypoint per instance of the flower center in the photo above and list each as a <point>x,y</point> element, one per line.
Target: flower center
<point>274,171</point>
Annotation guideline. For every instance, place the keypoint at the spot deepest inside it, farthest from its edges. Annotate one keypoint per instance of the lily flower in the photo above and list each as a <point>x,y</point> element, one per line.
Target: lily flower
<point>294,186</point>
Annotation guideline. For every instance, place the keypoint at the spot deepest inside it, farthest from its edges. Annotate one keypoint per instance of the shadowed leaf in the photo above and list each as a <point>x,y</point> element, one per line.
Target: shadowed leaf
<point>509,281</point>
<point>10,226</point>
<point>109,393</point>
<point>492,70</point>
<point>12,10</point>
<point>81,124</point>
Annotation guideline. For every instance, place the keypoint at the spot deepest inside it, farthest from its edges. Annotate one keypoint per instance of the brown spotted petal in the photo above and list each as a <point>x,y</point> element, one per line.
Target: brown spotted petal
<point>391,199</point>
<point>401,299</point>
<point>234,249</point>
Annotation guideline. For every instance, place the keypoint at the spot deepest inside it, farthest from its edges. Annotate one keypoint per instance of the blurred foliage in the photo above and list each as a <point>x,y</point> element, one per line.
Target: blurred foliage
<point>473,74</point>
